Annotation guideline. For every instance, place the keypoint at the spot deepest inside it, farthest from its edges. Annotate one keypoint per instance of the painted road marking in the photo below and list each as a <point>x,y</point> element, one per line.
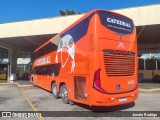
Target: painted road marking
<point>26,98</point>
<point>16,84</point>
<point>31,104</point>
<point>23,85</point>
<point>6,83</point>
<point>149,90</point>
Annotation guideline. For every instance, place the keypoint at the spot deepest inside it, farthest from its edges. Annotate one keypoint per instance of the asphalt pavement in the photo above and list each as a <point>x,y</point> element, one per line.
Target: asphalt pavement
<point>19,96</point>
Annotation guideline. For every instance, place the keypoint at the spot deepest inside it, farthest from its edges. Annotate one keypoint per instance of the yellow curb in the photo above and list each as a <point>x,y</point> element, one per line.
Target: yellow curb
<point>149,90</point>
<point>25,85</point>
<point>16,84</point>
<point>6,83</point>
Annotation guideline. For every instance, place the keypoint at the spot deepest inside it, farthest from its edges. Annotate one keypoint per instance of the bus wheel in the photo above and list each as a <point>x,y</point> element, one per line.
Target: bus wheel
<point>64,94</point>
<point>54,90</point>
<point>33,82</point>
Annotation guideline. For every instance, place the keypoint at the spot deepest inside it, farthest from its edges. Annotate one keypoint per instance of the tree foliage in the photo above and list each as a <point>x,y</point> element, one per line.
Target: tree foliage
<point>63,13</point>
<point>68,12</point>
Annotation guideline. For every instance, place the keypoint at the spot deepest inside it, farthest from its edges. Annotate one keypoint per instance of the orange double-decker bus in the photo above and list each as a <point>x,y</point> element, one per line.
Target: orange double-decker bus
<point>93,61</point>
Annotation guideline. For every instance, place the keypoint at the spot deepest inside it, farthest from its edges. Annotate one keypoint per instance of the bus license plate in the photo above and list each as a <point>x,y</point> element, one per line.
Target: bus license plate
<point>122,99</point>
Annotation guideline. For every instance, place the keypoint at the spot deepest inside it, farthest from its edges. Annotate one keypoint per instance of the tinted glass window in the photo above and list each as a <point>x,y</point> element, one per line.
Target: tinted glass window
<point>51,70</point>
<point>50,47</point>
<point>116,23</point>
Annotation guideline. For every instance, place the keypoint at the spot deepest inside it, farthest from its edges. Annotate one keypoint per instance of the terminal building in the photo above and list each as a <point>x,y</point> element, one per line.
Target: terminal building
<point>19,39</point>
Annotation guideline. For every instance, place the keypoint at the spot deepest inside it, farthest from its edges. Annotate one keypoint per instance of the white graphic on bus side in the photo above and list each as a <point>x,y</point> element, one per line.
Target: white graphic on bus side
<point>66,45</point>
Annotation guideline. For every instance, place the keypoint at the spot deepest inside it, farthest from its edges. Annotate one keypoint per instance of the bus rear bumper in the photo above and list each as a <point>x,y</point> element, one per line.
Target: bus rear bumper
<point>100,99</point>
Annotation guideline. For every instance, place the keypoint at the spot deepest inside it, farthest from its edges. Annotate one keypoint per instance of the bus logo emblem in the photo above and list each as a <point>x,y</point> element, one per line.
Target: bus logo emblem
<point>121,45</point>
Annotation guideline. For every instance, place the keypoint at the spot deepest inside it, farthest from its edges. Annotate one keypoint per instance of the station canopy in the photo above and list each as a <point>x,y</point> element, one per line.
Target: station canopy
<point>148,39</point>
<point>27,43</point>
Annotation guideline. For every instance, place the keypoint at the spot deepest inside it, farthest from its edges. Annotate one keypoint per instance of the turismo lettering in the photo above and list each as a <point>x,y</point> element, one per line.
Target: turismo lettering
<point>115,21</point>
<point>42,61</point>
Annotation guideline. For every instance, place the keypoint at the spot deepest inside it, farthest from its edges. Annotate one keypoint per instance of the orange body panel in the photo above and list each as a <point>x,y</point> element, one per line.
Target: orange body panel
<point>97,64</point>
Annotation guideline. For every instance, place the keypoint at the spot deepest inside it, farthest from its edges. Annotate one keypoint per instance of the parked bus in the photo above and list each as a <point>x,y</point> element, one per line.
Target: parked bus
<point>93,61</point>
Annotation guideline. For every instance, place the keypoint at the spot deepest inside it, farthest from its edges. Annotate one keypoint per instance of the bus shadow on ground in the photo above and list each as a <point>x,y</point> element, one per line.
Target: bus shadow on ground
<point>107,108</point>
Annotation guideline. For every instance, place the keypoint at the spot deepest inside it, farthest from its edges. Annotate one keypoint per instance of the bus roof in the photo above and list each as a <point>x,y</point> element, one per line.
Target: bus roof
<point>78,21</point>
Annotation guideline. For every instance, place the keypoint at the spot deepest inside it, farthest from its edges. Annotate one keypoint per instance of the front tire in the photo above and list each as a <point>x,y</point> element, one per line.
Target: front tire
<point>54,90</point>
<point>33,82</point>
<point>64,94</point>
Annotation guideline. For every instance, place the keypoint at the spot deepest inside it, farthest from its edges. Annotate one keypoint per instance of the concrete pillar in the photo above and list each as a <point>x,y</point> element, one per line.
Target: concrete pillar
<point>12,56</point>
<point>13,63</point>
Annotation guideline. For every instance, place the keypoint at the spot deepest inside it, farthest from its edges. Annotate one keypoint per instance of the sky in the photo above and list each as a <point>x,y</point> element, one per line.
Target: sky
<point>21,10</point>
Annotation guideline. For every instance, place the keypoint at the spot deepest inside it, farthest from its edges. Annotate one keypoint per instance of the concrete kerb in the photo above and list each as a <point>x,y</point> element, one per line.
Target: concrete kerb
<point>149,90</point>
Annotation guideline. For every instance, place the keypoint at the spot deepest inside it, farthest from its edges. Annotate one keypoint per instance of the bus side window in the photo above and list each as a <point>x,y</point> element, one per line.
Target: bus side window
<point>56,69</point>
<point>38,71</point>
<point>34,71</point>
<point>43,70</point>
